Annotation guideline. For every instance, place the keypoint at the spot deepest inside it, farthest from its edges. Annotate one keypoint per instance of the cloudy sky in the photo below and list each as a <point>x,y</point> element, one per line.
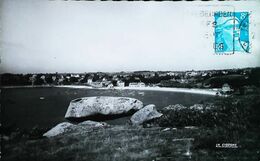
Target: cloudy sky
<point>67,36</point>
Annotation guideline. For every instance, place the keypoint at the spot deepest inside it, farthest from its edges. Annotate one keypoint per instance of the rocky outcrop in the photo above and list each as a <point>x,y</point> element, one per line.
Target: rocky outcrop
<point>197,107</point>
<point>147,113</point>
<point>223,114</point>
<point>181,116</point>
<point>66,127</point>
<point>103,105</point>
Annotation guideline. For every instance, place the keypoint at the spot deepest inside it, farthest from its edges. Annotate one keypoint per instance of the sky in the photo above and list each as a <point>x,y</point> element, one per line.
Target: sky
<point>80,36</point>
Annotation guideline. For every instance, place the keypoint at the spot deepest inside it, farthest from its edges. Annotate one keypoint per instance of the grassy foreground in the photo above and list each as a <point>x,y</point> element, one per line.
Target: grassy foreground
<point>233,120</point>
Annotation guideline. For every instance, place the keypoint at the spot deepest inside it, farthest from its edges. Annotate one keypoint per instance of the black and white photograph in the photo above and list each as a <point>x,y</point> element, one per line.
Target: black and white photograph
<point>129,80</point>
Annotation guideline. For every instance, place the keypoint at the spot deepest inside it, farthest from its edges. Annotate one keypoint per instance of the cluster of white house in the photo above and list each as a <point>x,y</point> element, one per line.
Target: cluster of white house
<point>119,83</point>
<point>98,84</point>
<point>108,84</point>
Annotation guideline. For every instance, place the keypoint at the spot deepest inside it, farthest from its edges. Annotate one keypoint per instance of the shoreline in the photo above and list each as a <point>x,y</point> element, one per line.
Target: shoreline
<point>163,89</point>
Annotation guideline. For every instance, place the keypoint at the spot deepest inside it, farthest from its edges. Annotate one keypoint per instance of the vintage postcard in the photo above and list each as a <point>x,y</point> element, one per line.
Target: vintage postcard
<point>129,80</point>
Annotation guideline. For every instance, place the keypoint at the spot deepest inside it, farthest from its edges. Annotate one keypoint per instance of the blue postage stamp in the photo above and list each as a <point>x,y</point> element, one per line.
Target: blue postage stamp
<point>231,32</point>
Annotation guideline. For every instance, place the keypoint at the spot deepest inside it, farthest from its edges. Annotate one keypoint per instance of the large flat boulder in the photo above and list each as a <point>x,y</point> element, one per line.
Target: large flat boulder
<point>59,129</point>
<point>147,113</point>
<point>103,105</point>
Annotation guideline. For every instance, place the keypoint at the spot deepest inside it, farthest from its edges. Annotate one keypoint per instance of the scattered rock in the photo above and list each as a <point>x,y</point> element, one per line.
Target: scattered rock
<point>91,106</point>
<point>196,107</point>
<point>191,127</point>
<point>149,112</point>
<point>175,107</point>
<point>5,138</point>
<point>209,106</point>
<point>166,129</point>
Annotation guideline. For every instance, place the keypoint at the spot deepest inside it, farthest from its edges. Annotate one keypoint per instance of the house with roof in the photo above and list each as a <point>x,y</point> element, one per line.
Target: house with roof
<point>136,84</point>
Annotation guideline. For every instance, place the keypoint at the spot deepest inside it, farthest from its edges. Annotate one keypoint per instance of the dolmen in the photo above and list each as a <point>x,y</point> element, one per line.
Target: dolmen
<point>86,111</point>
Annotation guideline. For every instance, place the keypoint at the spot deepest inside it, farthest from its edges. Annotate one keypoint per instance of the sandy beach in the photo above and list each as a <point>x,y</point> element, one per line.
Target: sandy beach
<point>183,90</point>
